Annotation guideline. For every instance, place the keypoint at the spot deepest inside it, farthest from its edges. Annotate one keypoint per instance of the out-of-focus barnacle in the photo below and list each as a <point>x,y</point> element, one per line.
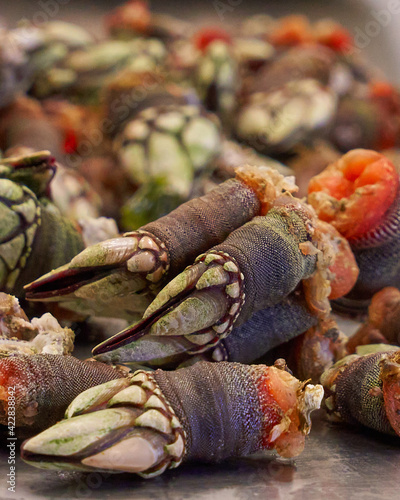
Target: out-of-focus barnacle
<point>25,124</point>
<point>82,73</point>
<point>234,155</point>
<point>34,236</point>
<point>277,121</point>
<point>251,53</point>
<point>368,119</point>
<point>42,335</point>
<point>14,73</point>
<point>257,26</point>
<point>298,63</point>
<point>134,18</point>
<point>151,201</point>
<point>291,31</point>
<point>129,20</point>
<point>130,92</point>
<point>68,189</point>
<point>217,80</point>
<point>28,50</point>
<point>309,160</point>
<point>316,350</point>
<point>173,143</point>
<point>382,324</point>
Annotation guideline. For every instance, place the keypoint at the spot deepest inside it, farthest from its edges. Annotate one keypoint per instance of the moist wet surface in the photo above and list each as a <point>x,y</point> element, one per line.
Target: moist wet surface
<point>338,462</point>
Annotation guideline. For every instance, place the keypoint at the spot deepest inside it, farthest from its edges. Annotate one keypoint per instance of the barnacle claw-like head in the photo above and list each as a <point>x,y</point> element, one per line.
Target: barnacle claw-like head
<point>195,310</point>
<point>34,170</point>
<point>104,277</point>
<point>125,425</point>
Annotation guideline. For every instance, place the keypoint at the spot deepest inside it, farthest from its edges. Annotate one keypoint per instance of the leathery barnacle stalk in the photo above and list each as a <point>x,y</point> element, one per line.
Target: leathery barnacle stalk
<point>44,385</point>
<point>149,422</point>
<point>359,196</point>
<point>365,390</point>
<point>117,277</point>
<point>256,267</point>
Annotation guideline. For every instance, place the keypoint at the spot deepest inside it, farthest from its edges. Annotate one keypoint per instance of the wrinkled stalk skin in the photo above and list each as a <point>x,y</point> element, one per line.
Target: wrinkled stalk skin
<point>268,254</point>
<point>267,329</point>
<point>45,384</point>
<point>378,255</point>
<point>379,267</point>
<point>200,223</point>
<point>355,393</point>
<point>219,407</point>
<point>56,242</point>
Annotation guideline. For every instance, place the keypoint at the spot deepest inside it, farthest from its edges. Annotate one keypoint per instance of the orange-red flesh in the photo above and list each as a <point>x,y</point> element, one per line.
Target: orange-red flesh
<point>344,270</point>
<point>277,392</point>
<point>391,389</point>
<point>354,193</point>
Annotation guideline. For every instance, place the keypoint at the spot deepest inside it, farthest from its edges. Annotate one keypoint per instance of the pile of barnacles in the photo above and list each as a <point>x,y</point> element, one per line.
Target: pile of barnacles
<point>221,193</point>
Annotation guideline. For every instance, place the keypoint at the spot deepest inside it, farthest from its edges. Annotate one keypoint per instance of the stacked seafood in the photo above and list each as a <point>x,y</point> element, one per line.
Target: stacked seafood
<point>218,192</point>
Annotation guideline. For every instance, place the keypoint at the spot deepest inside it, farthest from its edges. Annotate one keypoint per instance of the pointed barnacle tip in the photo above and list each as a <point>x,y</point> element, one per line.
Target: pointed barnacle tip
<point>309,399</point>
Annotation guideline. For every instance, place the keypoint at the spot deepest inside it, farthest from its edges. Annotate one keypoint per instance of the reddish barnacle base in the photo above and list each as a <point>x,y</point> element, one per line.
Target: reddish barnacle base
<point>391,389</point>
<point>334,36</point>
<point>344,270</point>
<point>354,193</point>
<point>278,392</point>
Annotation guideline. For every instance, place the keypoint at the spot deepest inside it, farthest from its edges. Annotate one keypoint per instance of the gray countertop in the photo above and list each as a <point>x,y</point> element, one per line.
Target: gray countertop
<point>338,462</point>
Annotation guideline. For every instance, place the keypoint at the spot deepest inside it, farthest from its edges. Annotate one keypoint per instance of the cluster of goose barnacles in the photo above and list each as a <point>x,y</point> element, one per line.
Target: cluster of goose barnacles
<point>218,263</point>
